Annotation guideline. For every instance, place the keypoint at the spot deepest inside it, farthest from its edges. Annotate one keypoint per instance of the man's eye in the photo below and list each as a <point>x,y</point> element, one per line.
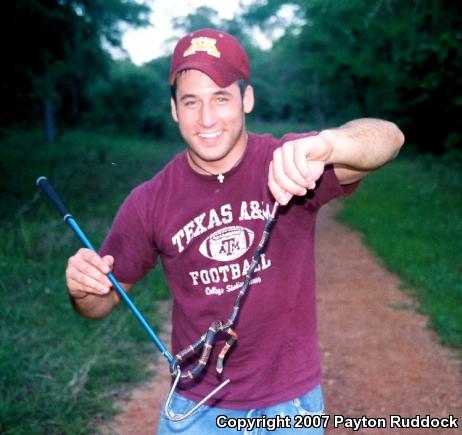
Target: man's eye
<point>222,100</point>
<point>190,103</point>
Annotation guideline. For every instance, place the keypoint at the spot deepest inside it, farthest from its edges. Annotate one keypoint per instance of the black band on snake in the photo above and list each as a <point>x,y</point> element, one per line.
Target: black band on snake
<point>205,342</point>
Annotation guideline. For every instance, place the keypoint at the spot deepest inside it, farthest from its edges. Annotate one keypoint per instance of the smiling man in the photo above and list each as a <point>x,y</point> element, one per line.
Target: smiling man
<point>203,215</point>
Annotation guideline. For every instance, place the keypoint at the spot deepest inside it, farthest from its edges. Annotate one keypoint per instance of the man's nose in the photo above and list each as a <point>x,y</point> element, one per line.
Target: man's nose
<point>207,115</point>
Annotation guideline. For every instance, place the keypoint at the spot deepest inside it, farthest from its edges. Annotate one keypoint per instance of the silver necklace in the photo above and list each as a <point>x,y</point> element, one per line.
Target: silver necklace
<point>220,176</point>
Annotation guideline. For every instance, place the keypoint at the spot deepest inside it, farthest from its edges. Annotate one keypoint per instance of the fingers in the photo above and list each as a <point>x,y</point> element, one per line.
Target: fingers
<point>300,157</point>
<point>281,195</point>
<point>86,274</point>
<point>292,172</point>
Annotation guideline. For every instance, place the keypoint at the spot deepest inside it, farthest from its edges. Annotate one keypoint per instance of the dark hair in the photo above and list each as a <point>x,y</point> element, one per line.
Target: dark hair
<point>241,83</point>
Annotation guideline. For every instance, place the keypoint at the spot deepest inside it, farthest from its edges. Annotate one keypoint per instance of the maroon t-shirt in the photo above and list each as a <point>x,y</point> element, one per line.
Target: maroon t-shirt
<point>205,234</point>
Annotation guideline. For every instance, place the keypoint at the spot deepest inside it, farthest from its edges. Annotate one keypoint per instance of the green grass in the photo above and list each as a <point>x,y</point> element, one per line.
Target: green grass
<point>410,213</point>
<point>58,371</point>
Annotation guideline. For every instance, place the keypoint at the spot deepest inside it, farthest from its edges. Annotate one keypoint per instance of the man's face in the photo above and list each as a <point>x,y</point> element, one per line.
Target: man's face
<point>211,119</point>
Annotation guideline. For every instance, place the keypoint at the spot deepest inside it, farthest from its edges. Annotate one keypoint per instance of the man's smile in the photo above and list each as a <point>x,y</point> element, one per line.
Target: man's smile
<point>210,134</point>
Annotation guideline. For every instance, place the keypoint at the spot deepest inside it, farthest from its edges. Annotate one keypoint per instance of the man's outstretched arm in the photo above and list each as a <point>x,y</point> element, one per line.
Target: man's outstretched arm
<point>355,149</point>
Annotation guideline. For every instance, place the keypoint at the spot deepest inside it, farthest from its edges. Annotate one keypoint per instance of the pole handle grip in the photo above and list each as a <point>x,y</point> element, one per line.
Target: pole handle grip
<point>46,187</point>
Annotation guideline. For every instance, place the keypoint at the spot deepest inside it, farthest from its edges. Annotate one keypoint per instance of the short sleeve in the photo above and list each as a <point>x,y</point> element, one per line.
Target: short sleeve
<point>328,188</point>
<point>129,241</point>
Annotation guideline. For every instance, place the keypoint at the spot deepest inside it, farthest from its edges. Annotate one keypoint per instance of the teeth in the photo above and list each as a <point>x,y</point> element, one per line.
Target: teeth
<point>210,135</point>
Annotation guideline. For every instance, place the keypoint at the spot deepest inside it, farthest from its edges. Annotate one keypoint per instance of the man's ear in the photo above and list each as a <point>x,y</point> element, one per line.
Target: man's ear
<point>173,109</point>
<point>248,100</point>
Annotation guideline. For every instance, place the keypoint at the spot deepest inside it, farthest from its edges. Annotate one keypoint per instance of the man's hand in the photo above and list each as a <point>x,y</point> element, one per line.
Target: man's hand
<point>296,166</point>
<point>86,274</point>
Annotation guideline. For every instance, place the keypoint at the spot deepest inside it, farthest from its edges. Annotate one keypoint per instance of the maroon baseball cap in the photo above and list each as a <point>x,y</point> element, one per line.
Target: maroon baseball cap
<point>215,53</point>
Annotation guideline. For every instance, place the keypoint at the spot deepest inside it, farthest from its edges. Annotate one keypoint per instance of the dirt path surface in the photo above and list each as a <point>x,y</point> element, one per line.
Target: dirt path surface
<point>379,358</point>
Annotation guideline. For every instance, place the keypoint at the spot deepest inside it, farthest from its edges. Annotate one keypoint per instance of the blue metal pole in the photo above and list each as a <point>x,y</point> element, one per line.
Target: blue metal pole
<point>43,183</point>
<point>122,293</point>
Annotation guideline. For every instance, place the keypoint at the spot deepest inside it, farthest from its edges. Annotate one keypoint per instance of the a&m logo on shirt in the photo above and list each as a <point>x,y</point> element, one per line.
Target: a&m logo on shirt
<point>203,44</point>
<point>227,243</point>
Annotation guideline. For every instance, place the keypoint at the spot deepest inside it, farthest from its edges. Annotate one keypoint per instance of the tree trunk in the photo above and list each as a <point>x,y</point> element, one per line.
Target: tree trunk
<point>49,120</point>
<point>360,90</point>
<point>318,112</point>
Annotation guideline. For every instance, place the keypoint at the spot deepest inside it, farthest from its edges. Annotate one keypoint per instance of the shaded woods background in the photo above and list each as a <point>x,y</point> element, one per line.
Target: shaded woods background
<point>337,60</point>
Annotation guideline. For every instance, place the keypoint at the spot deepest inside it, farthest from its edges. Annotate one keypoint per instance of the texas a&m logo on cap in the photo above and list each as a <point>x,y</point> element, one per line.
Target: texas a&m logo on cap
<point>212,52</point>
<point>203,44</point>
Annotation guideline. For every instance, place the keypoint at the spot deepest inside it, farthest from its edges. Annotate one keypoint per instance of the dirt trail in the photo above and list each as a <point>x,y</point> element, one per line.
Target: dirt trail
<point>379,358</point>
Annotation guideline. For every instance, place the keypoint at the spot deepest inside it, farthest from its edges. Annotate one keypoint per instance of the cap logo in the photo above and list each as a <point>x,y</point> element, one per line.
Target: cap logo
<point>203,44</point>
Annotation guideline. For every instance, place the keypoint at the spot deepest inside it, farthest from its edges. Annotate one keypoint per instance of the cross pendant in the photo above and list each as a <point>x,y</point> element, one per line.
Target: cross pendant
<point>221,178</point>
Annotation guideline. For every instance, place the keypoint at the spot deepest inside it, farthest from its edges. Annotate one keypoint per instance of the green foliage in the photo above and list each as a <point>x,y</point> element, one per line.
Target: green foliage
<point>58,371</point>
<point>410,213</point>
<point>336,60</point>
<point>202,17</point>
<point>277,128</point>
<point>57,51</point>
<point>393,59</point>
<point>132,100</point>
<point>434,106</point>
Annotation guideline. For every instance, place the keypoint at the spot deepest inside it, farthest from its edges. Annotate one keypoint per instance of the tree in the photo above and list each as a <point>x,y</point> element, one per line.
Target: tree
<point>384,58</point>
<point>132,99</point>
<point>202,17</point>
<point>430,81</point>
<point>57,51</point>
